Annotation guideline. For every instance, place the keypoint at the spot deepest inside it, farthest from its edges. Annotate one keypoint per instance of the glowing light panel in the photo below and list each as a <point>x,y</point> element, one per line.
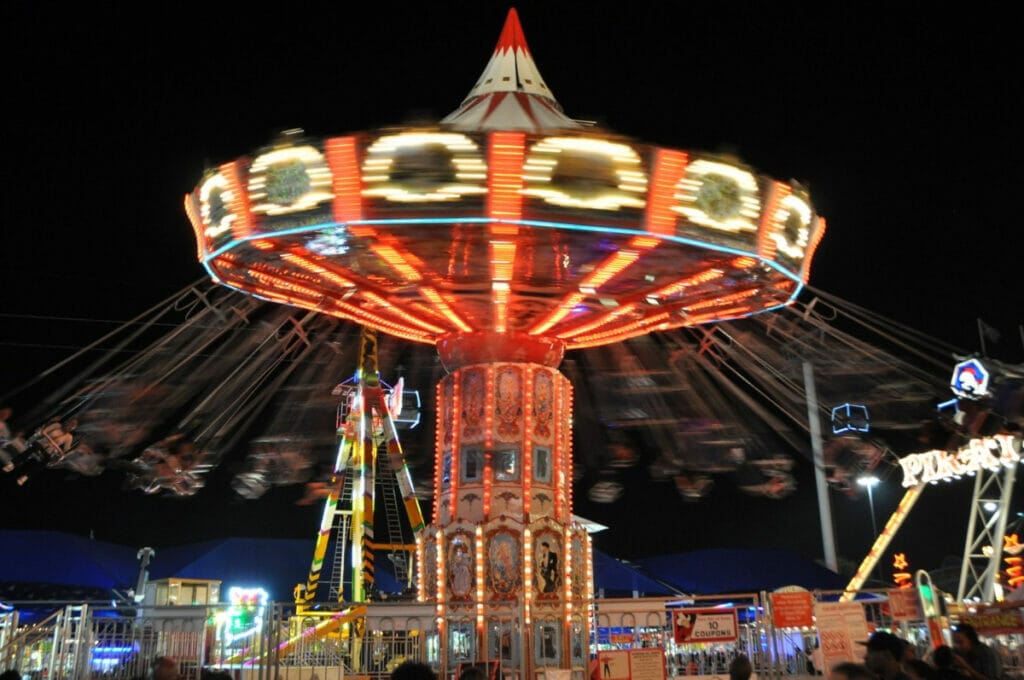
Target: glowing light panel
<point>547,157</point>
<point>719,196</point>
<point>432,183</point>
<point>289,180</point>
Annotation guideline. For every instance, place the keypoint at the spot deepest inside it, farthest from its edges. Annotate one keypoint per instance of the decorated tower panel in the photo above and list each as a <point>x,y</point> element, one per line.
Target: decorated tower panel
<point>505,451</point>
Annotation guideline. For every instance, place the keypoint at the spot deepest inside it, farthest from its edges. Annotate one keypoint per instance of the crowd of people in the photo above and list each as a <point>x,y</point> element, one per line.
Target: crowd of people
<point>889,657</point>
<point>886,657</point>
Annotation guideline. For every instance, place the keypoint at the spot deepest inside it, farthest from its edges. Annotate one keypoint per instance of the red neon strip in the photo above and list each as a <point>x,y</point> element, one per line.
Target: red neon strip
<point>390,255</point>
<point>617,262</point>
<point>562,442</point>
<point>599,321</point>
<point>643,242</point>
<point>321,270</point>
<point>503,259</point>
<point>456,378</point>
<point>697,279</point>
<point>566,454</point>
<point>811,247</point>
<point>505,158</point>
<point>669,168</point>
<point>609,268</point>
<point>777,192</point>
<point>723,300</point>
<point>454,476</point>
<point>314,300</point>
<point>362,231</point>
<point>628,330</point>
<point>346,184</point>
<point>500,297</point>
<point>438,448</point>
<point>716,315</point>
<point>563,309</point>
<point>197,225</point>
<point>488,441</point>
<point>743,262</point>
<point>439,303</point>
<point>528,377</point>
<point>242,226</point>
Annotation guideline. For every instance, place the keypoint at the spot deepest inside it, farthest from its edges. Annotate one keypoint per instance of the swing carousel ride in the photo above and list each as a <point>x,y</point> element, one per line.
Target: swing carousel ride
<point>669,285</point>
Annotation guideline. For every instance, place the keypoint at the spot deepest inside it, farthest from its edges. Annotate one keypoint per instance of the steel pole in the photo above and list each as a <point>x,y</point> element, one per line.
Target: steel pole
<point>824,503</point>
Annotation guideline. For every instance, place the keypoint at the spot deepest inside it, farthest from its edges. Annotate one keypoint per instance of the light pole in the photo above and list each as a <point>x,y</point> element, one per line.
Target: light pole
<point>869,482</point>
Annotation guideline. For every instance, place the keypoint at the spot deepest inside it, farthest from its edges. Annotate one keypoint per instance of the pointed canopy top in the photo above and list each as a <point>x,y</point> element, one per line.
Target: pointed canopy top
<point>510,94</point>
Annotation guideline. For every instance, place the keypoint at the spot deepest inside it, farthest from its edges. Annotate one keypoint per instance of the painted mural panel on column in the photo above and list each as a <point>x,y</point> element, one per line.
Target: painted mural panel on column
<point>503,564</point>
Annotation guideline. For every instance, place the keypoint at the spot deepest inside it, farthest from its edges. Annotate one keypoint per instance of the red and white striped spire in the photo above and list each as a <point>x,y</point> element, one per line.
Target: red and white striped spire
<point>510,94</point>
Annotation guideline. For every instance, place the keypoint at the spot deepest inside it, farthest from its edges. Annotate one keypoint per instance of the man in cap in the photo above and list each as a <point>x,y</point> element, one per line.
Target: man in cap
<point>884,656</point>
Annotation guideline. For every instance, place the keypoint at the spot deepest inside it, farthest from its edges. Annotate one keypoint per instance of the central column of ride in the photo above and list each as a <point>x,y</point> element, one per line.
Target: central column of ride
<point>509,570</point>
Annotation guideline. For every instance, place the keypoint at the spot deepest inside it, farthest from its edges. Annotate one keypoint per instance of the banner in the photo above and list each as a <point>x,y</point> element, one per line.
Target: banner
<point>994,621</point>
<point>841,625</point>
<point>905,605</point>
<point>647,663</point>
<point>792,610</point>
<point>704,625</point>
<point>610,664</point>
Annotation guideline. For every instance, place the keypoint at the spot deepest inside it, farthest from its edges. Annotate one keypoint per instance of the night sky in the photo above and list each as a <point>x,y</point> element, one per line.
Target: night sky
<point>904,123</point>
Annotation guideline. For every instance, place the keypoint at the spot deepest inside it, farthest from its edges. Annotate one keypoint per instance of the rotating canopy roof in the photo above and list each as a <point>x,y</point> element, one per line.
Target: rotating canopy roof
<point>541,228</point>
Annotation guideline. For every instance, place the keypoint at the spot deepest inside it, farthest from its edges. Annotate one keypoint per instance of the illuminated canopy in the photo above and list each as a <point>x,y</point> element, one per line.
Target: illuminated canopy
<point>500,221</point>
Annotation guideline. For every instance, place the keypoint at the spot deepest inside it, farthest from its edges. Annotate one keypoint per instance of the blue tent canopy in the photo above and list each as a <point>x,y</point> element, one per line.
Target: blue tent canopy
<point>615,577</point>
<point>65,559</point>
<point>276,565</point>
<point>739,571</point>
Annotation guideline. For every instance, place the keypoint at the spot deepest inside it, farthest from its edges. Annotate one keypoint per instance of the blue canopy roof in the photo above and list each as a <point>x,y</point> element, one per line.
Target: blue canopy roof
<point>618,578</point>
<point>276,565</point>
<point>65,559</point>
<point>739,571</point>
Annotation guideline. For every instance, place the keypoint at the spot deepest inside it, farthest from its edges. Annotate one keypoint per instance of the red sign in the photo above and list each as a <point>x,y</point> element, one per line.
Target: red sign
<point>792,610</point>
<point>704,625</point>
<point>995,621</point>
<point>904,605</point>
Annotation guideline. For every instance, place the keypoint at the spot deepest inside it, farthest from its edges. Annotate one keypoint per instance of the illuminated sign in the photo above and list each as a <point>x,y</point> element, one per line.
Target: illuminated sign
<point>578,172</point>
<point>850,418</point>
<point>414,167</point>
<point>244,617</point>
<point>970,380</point>
<point>792,222</point>
<point>1014,562</point>
<point>986,453</point>
<point>900,575</point>
<point>719,196</point>
<point>704,625</point>
<point>289,180</point>
<point>993,621</point>
<point>214,199</point>
<point>575,172</point>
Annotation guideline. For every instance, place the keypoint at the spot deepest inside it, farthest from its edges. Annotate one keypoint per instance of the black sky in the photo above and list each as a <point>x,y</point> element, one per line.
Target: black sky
<point>904,122</point>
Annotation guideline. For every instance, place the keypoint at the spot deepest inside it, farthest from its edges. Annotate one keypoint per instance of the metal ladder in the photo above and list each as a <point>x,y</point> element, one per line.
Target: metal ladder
<point>341,528</point>
<point>392,506</point>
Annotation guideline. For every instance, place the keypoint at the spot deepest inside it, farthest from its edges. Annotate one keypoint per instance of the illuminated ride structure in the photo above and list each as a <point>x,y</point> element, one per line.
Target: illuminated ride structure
<point>505,235</point>
<point>369,445</point>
